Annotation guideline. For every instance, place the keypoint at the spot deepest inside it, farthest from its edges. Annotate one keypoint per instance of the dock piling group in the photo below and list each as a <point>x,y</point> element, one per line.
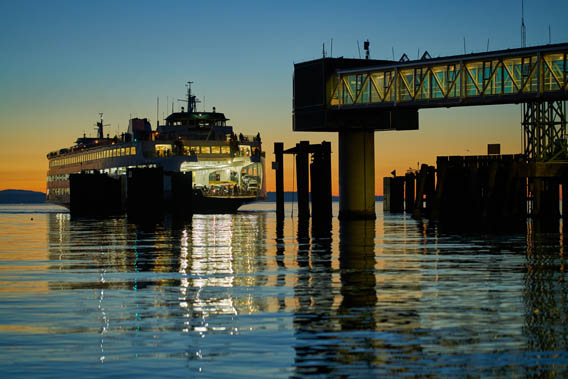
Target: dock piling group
<point>489,191</point>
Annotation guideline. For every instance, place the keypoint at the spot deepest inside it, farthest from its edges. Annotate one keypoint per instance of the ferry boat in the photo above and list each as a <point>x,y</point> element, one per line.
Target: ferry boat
<point>227,168</point>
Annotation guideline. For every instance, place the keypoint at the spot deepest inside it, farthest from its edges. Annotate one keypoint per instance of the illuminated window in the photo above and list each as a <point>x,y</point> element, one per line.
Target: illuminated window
<point>245,150</point>
<point>225,150</point>
<point>195,149</point>
<point>163,150</point>
<point>122,152</point>
<point>133,150</point>
<point>215,150</point>
<point>205,150</point>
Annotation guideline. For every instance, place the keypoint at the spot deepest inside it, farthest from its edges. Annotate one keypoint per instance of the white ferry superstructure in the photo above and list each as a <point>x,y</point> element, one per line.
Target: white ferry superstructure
<point>227,169</point>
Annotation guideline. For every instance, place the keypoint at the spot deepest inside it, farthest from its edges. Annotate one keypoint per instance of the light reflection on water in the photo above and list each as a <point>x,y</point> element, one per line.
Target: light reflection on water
<point>241,295</point>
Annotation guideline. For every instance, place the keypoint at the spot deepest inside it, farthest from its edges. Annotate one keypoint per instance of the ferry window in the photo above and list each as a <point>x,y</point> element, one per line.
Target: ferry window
<point>215,150</point>
<point>195,149</point>
<point>133,150</point>
<point>205,150</point>
<point>163,150</point>
<point>245,150</point>
<point>225,150</point>
<point>186,150</point>
<point>122,151</point>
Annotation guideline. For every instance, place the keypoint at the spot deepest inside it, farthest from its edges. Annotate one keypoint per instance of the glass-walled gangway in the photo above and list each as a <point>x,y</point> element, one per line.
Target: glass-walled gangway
<point>507,76</point>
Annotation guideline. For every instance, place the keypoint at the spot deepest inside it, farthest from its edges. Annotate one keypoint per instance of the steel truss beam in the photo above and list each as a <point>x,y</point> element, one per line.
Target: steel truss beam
<point>488,78</point>
<point>544,131</point>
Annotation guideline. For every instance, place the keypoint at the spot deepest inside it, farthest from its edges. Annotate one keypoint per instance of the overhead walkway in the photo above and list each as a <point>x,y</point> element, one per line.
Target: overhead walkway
<point>356,97</point>
<point>507,76</point>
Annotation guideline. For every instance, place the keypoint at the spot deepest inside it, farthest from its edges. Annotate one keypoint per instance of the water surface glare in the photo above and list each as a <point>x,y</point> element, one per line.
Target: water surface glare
<point>244,296</point>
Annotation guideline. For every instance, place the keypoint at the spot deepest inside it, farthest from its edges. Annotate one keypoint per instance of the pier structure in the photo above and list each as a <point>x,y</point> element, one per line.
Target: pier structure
<point>313,168</point>
<point>141,193</point>
<point>356,97</point>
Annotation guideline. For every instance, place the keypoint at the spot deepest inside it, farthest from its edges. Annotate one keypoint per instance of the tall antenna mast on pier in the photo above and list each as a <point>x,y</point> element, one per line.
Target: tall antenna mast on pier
<point>523,27</point>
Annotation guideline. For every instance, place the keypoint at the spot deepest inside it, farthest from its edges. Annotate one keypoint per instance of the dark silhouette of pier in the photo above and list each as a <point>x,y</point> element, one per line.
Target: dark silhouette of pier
<point>356,97</point>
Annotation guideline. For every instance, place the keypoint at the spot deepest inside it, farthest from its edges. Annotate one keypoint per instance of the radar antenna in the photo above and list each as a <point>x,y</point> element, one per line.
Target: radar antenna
<point>100,126</point>
<point>191,99</point>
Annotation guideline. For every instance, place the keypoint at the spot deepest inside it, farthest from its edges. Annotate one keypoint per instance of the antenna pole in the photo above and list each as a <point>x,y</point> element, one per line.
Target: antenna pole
<point>523,27</point>
<point>189,102</point>
<point>157,109</point>
<point>100,126</point>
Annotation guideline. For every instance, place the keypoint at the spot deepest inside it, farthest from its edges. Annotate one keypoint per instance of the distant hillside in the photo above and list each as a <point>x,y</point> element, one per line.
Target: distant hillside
<point>291,196</point>
<point>21,196</point>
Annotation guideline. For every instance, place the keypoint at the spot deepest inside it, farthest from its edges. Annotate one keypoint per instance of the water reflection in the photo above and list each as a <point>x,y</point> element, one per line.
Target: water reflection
<point>369,297</point>
<point>545,296</point>
<point>335,320</point>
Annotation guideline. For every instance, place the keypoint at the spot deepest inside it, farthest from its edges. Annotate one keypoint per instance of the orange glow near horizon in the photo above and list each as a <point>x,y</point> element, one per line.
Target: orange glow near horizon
<point>456,131</point>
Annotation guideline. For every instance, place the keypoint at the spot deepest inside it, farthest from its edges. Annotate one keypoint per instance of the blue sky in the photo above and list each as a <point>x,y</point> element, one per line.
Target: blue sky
<point>62,62</point>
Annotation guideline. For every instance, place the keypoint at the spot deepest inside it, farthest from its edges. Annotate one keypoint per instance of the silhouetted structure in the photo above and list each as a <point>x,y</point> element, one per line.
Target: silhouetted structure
<point>356,97</point>
<point>318,173</point>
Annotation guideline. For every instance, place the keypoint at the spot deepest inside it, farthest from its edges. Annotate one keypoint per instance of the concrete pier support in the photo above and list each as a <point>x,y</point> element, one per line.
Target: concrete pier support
<point>356,174</point>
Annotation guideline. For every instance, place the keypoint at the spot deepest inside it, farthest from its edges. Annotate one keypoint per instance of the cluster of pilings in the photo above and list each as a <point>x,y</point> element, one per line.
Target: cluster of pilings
<point>143,192</point>
<point>316,174</point>
<point>479,192</point>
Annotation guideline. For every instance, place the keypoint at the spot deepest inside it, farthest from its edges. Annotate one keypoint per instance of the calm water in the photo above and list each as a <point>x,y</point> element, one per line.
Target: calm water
<point>239,296</point>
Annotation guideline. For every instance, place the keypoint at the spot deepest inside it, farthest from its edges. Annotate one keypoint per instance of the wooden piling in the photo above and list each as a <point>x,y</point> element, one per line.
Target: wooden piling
<point>181,193</point>
<point>393,194</point>
<point>409,199</point>
<point>279,171</point>
<point>302,173</point>
<point>420,188</point>
<point>145,192</point>
<point>94,195</point>
<point>320,179</point>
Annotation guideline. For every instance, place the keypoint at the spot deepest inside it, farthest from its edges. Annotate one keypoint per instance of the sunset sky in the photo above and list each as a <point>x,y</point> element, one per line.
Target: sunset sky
<point>63,62</point>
